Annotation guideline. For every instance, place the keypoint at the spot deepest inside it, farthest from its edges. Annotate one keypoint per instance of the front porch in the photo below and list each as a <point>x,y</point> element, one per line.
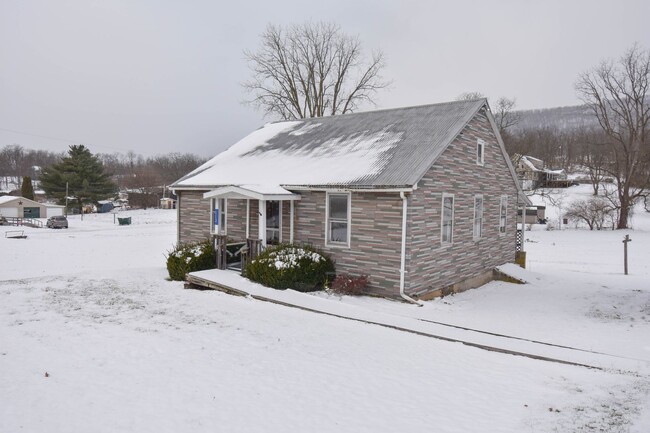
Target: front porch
<point>245,219</point>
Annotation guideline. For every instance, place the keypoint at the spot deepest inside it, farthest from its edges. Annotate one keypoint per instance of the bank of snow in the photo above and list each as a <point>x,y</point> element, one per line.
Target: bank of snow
<point>126,350</point>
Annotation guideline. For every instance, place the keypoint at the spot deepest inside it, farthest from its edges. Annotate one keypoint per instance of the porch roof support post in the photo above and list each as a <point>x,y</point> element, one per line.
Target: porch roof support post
<point>248,217</point>
<point>291,221</point>
<point>262,222</point>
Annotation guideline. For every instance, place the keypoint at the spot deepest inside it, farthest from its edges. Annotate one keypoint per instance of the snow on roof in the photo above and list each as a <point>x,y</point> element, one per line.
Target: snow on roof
<point>373,149</point>
<point>7,198</point>
<point>532,163</point>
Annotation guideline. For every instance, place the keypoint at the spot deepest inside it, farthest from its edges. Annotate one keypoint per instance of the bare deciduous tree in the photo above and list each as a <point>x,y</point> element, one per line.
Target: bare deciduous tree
<point>594,211</point>
<point>505,114</point>
<point>504,110</point>
<point>617,93</point>
<point>311,70</point>
<point>468,96</point>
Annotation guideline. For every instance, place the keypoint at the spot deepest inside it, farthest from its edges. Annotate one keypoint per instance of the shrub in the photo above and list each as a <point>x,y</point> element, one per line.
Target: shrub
<point>288,266</point>
<point>190,257</point>
<point>345,284</point>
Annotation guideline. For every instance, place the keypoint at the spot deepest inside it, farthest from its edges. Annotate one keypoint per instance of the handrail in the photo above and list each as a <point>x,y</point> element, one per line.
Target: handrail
<point>29,222</point>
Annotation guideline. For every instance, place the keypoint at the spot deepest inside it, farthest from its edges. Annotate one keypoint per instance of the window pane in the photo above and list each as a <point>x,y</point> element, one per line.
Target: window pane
<point>338,207</point>
<point>339,232</point>
<point>273,214</point>
<point>503,214</point>
<point>478,217</point>
<point>447,219</point>
<point>272,236</point>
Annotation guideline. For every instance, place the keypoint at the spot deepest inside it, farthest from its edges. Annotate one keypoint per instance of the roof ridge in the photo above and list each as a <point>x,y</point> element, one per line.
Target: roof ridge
<point>381,110</point>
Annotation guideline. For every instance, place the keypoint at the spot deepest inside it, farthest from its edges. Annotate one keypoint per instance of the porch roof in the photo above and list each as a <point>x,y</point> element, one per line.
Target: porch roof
<point>256,192</point>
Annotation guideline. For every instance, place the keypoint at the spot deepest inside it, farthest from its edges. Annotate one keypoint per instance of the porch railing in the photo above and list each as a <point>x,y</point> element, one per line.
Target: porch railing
<point>249,251</point>
<point>252,250</point>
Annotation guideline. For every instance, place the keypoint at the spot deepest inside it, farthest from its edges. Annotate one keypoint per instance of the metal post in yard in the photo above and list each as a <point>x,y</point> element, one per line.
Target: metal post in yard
<point>625,242</point>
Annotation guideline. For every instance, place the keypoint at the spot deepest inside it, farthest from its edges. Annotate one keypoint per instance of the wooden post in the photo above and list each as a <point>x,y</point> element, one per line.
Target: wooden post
<point>625,242</point>
<point>220,251</point>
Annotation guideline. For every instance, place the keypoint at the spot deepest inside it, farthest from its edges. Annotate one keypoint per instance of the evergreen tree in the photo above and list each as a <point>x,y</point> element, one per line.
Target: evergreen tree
<point>27,189</point>
<point>84,175</point>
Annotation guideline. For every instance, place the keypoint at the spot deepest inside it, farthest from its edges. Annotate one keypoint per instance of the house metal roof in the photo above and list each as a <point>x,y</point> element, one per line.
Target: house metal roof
<point>376,149</point>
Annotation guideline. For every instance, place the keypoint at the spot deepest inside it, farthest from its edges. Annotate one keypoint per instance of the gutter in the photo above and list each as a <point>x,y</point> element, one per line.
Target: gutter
<point>402,268</point>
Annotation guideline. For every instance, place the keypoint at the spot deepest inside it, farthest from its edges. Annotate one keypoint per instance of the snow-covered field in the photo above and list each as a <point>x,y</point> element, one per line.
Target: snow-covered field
<point>94,338</point>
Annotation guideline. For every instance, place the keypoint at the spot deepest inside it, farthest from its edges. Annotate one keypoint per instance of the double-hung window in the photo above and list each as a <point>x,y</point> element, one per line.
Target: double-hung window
<point>503,214</point>
<point>478,217</point>
<point>447,235</point>
<point>338,219</point>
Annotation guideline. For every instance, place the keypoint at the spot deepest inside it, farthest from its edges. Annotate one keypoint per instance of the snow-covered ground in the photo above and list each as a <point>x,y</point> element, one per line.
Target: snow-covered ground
<point>126,350</point>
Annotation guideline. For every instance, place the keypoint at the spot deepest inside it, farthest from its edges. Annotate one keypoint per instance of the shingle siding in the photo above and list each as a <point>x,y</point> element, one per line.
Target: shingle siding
<point>193,216</point>
<point>375,236</point>
<point>433,266</point>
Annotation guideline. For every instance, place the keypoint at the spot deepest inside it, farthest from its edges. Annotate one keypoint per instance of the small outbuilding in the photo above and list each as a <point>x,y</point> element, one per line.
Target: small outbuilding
<point>104,206</point>
<point>21,207</point>
<point>167,203</point>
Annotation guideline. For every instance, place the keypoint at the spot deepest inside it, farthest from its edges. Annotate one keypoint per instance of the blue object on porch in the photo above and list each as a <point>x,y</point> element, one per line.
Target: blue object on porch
<point>216,217</point>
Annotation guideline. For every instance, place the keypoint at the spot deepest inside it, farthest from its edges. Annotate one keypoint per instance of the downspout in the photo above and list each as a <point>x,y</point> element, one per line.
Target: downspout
<point>402,268</point>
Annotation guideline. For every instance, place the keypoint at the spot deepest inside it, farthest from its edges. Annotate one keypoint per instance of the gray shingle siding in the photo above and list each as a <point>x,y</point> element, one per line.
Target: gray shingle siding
<point>193,216</point>
<point>432,265</point>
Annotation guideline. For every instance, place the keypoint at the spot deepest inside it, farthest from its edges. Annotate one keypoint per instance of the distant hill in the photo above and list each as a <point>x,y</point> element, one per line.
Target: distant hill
<point>559,118</point>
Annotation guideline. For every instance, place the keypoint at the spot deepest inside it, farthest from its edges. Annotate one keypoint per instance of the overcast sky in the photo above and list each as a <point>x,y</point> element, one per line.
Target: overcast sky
<point>158,76</point>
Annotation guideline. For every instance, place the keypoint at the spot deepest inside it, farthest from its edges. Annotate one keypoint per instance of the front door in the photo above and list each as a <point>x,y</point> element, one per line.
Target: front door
<point>273,219</point>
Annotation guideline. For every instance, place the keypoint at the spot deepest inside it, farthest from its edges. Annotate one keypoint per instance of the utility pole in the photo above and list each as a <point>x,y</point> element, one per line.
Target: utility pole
<point>625,242</point>
<point>66,199</point>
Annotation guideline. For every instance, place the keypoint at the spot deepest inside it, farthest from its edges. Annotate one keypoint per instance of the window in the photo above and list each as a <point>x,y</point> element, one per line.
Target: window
<point>478,217</point>
<point>273,221</point>
<point>480,152</point>
<point>447,219</point>
<point>503,214</point>
<point>338,219</point>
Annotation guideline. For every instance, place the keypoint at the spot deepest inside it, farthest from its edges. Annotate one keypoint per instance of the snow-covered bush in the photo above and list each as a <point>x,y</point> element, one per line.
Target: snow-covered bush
<point>291,267</point>
<point>190,257</point>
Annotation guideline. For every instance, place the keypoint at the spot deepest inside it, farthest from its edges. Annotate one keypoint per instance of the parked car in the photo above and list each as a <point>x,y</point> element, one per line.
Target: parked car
<point>57,222</point>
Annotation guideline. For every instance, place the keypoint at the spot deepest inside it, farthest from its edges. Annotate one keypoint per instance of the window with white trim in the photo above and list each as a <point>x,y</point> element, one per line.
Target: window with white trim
<point>447,224</point>
<point>338,219</point>
<point>273,222</point>
<point>478,217</point>
<point>480,152</point>
<point>503,214</point>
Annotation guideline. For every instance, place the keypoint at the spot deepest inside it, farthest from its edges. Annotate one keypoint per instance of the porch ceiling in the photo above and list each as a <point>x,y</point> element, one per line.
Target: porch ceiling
<point>256,192</point>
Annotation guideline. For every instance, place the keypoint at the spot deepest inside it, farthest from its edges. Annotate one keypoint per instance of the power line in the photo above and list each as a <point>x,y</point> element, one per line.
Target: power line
<point>61,139</point>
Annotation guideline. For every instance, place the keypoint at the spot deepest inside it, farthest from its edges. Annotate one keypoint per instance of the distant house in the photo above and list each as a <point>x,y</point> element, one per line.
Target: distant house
<point>167,203</point>
<point>21,207</point>
<point>423,199</point>
<point>533,174</point>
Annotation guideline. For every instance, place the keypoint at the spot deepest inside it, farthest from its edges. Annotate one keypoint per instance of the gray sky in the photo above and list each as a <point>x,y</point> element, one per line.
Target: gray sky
<point>159,76</point>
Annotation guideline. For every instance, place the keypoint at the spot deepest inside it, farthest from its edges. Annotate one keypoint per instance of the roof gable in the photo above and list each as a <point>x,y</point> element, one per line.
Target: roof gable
<point>385,148</point>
